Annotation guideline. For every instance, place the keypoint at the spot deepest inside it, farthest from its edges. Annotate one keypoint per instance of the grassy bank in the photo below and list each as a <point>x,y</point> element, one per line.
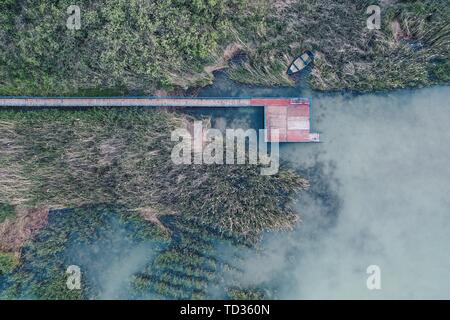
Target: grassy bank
<point>140,47</point>
<point>411,48</point>
<point>123,46</point>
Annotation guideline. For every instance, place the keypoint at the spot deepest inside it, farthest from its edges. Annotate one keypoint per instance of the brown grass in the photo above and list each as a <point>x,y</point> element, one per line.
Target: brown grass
<point>79,158</point>
<point>14,233</point>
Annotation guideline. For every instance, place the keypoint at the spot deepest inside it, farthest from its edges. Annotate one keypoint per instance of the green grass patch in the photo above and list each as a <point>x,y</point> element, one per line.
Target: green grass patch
<point>441,71</point>
<point>137,47</point>
<point>129,46</point>
<point>6,211</point>
<point>8,262</point>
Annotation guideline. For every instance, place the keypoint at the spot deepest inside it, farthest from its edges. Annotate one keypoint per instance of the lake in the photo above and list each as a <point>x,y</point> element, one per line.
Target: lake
<point>381,180</point>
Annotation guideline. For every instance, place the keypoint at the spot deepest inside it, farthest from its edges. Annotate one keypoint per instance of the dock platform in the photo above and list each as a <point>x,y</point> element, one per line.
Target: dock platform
<point>290,116</point>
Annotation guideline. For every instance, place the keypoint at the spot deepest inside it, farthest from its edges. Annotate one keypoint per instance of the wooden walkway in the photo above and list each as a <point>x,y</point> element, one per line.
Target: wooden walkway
<point>291,117</point>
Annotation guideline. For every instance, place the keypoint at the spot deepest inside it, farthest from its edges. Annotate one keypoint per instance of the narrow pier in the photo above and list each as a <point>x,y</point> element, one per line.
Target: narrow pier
<point>291,117</point>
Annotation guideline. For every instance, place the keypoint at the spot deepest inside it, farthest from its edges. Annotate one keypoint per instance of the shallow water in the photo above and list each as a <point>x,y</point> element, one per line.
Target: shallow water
<point>385,159</point>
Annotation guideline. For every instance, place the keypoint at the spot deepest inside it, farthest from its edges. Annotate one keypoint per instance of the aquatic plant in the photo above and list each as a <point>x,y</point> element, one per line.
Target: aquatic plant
<point>76,158</point>
<point>245,294</point>
<point>75,236</point>
<point>8,262</point>
<point>413,41</point>
<point>123,46</point>
<point>145,46</point>
<point>188,268</point>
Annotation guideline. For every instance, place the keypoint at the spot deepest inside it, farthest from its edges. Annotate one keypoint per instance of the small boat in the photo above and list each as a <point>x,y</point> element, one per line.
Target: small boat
<point>301,62</point>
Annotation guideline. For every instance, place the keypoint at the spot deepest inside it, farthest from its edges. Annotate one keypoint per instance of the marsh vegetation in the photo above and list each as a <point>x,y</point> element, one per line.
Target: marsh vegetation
<point>61,159</point>
<point>411,48</point>
<point>123,256</point>
<point>77,159</point>
<point>141,46</point>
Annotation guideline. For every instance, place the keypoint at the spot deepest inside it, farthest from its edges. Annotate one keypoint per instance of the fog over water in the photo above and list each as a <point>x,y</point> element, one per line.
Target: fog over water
<point>390,157</point>
<point>386,160</point>
<point>110,262</point>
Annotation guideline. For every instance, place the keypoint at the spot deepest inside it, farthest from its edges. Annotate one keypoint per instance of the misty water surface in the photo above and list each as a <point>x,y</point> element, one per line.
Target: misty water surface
<point>385,175</point>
